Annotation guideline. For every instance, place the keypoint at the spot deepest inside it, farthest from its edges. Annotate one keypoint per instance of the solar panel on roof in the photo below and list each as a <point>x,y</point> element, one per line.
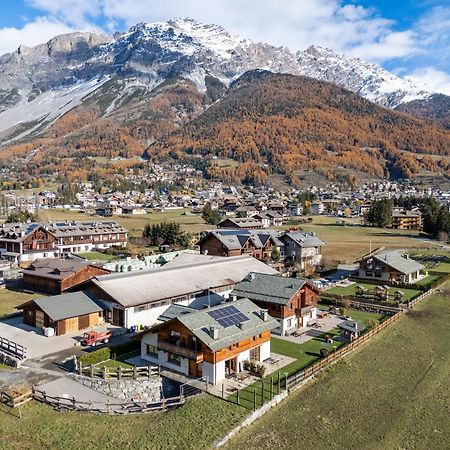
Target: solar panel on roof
<point>32,227</point>
<point>228,316</point>
<point>234,232</point>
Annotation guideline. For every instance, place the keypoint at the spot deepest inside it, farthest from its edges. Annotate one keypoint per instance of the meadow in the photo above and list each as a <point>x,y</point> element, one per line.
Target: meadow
<point>392,393</point>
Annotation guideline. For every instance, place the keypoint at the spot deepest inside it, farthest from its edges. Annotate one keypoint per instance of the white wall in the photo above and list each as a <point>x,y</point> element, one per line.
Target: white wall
<point>214,372</point>
<point>265,351</point>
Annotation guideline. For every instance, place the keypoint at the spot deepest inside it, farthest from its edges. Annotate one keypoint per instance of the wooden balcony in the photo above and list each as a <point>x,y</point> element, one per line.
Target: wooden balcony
<point>177,350</point>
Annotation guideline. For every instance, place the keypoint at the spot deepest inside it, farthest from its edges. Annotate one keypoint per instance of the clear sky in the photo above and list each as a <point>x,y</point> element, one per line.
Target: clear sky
<point>408,37</point>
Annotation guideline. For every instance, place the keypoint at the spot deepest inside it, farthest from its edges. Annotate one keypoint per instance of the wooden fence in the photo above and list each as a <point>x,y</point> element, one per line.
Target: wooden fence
<point>14,401</point>
<point>13,348</point>
<point>72,404</point>
<point>118,373</point>
<point>296,379</point>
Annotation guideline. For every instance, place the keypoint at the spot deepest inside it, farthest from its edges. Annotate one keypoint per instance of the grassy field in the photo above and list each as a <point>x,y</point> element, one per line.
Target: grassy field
<point>442,267</point>
<point>97,256</point>
<point>191,223</point>
<point>9,299</point>
<point>305,354</point>
<point>393,393</point>
<point>350,290</point>
<point>427,280</point>
<point>196,425</point>
<point>348,243</point>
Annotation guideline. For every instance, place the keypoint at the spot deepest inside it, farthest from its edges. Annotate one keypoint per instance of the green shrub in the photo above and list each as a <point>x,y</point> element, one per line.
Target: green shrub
<point>324,352</point>
<point>95,357</point>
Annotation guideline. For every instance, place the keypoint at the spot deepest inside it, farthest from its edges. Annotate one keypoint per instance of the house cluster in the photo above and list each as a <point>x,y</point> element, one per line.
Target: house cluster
<point>24,242</point>
<point>204,315</point>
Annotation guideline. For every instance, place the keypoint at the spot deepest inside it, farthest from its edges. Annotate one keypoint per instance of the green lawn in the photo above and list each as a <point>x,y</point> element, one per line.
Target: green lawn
<point>196,425</point>
<point>393,393</point>
<point>427,280</point>
<point>350,290</point>
<point>442,267</point>
<point>305,354</point>
<point>97,256</point>
<point>9,299</point>
<point>362,316</point>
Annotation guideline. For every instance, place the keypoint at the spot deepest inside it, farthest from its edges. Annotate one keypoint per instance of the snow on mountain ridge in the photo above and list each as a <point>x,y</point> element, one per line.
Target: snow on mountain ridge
<point>366,79</point>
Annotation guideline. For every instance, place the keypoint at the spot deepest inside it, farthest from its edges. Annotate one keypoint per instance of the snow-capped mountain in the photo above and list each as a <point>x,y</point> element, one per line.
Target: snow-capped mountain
<point>370,81</point>
<point>40,84</point>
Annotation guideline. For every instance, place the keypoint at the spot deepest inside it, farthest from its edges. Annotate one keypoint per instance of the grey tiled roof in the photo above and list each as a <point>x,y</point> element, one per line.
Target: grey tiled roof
<point>200,323</point>
<point>268,288</point>
<point>65,306</point>
<point>303,239</point>
<point>399,262</point>
<point>235,239</point>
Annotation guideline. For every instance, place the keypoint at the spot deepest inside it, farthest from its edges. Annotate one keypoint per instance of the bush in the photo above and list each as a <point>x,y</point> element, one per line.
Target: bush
<point>95,357</point>
<point>324,352</point>
<point>257,369</point>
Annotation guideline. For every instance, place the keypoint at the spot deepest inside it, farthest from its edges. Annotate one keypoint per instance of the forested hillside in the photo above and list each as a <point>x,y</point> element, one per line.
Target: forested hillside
<point>272,122</point>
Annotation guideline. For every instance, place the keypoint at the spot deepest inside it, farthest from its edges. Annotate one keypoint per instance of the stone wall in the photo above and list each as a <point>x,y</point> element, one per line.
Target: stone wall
<point>8,360</point>
<point>141,390</point>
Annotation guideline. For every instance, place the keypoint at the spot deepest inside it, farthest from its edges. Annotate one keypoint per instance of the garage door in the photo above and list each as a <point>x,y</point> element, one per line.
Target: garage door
<point>71,325</point>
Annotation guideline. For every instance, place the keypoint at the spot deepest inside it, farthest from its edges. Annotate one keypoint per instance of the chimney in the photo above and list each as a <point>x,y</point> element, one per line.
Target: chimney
<point>233,298</point>
<point>264,315</point>
<point>214,332</point>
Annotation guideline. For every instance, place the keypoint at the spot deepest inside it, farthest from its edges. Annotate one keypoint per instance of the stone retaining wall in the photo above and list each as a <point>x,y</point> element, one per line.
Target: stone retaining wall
<point>142,390</point>
<point>8,360</point>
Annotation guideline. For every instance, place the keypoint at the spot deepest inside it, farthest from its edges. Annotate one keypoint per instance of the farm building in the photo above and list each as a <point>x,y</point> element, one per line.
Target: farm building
<point>55,276</point>
<point>64,313</point>
<point>292,301</point>
<point>210,342</point>
<point>139,298</point>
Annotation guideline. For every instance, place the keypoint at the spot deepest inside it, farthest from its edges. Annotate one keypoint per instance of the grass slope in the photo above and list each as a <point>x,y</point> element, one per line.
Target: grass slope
<point>9,299</point>
<point>351,290</point>
<point>194,426</point>
<point>392,394</point>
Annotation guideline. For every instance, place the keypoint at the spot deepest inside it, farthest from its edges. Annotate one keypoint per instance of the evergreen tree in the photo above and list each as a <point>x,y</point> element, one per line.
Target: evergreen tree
<point>380,213</point>
<point>211,216</point>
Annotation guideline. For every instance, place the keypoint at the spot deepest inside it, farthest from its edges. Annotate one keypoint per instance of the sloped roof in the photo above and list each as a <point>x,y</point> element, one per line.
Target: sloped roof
<point>200,323</point>
<point>54,268</point>
<point>401,263</point>
<point>65,306</point>
<point>148,286</point>
<point>235,239</point>
<point>242,222</point>
<point>269,288</point>
<point>303,239</point>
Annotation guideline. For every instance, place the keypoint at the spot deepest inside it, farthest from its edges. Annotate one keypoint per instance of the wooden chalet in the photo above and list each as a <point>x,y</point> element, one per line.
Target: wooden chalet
<point>210,342</point>
<point>292,301</point>
<point>55,276</point>
<point>235,242</point>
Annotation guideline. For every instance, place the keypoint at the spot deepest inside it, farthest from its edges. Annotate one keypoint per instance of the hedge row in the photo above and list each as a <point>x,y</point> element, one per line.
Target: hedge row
<point>126,347</point>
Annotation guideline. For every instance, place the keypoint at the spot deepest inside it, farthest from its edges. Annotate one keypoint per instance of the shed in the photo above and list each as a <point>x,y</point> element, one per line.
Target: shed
<point>64,313</point>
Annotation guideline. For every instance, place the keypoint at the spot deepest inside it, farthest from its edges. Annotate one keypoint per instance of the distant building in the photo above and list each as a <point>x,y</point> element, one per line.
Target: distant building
<point>210,342</point>
<point>234,242</point>
<point>303,248</point>
<point>390,266</point>
<point>292,301</point>
<point>245,223</point>
<point>22,242</point>
<point>407,220</point>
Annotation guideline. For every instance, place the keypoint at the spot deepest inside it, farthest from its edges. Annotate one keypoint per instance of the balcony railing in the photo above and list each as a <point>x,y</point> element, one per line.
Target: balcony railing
<point>177,350</point>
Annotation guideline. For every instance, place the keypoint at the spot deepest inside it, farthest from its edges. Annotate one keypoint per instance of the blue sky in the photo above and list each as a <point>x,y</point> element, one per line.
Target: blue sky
<point>410,38</point>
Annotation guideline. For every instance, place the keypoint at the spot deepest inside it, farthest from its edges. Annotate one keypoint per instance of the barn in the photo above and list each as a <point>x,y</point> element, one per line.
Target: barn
<point>66,313</point>
<point>55,276</point>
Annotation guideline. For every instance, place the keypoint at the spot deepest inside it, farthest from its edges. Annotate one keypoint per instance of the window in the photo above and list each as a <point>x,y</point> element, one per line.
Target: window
<point>174,359</point>
<point>152,351</point>
<point>289,323</point>
<point>139,309</point>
